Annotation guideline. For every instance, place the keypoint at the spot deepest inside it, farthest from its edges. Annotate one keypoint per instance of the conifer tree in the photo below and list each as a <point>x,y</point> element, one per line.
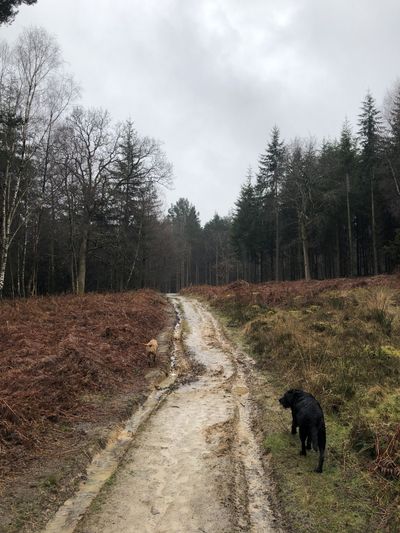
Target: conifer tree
<point>370,123</point>
<point>393,148</point>
<point>186,230</point>
<point>269,178</point>
<point>245,234</point>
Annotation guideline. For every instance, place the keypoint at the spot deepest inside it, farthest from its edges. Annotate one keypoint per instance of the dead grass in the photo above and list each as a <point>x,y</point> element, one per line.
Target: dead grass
<point>70,367</point>
<point>53,350</point>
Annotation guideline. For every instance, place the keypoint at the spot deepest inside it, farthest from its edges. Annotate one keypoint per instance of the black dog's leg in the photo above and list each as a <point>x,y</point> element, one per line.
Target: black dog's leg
<point>308,442</point>
<point>294,424</point>
<point>303,437</point>
<point>321,446</point>
<point>320,462</point>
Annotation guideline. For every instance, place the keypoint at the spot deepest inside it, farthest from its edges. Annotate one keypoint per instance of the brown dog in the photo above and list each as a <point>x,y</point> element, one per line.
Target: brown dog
<point>151,350</point>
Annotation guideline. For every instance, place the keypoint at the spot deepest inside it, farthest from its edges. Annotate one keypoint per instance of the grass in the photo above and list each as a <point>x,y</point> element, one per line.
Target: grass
<point>341,499</point>
<point>343,346</point>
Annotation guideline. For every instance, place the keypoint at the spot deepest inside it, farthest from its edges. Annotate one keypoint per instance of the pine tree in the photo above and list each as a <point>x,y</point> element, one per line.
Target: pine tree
<point>370,123</point>
<point>393,148</point>
<point>245,227</point>
<point>187,231</point>
<point>269,177</point>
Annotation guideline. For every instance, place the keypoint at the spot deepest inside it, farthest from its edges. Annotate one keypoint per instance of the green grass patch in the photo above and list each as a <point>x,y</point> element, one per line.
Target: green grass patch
<point>338,500</point>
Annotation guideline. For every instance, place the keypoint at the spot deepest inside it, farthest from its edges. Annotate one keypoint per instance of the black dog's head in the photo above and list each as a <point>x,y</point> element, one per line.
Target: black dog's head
<point>289,397</point>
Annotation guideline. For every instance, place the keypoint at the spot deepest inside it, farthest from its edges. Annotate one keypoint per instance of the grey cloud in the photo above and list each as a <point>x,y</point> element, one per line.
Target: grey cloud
<point>211,77</point>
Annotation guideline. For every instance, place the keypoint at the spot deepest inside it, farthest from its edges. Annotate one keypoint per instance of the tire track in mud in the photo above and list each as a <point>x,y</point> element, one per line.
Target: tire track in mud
<point>195,465</point>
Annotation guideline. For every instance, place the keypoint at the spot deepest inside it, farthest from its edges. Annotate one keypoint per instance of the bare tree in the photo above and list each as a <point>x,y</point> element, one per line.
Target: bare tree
<point>61,91</point>
<point>91,148</point>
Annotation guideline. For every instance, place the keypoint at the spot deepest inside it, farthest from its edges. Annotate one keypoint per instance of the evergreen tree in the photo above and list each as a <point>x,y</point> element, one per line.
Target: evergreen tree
<point>269,178</point>
<point>245,227</point>
<point>370,123</point>
<point>187,231</point>
<point>219,252</point>
<point>393,143</point>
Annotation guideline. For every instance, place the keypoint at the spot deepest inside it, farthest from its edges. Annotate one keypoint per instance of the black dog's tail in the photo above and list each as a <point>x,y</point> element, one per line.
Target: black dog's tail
<point>314,438</point>
<point>318,437</point>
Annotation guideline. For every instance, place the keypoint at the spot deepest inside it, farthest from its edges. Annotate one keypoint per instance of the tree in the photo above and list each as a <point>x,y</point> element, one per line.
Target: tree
<point>269,178</point>
<point>219,252</point>
<point>139,169</point>
<point>61,91</point>
<point>91,149</point>
<point>245,227</point>
<point>392,151</point>
<point>187,232</point>
<point>299,192</point>
<point>370,124</point>
<point>347,161</point>
<point>9,9</point>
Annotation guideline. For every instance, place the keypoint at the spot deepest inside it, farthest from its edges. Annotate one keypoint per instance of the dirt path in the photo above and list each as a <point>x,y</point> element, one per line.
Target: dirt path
<point>195,465</point>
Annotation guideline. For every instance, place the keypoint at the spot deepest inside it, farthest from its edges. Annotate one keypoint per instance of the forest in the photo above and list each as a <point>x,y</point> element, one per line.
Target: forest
<point>81,206</point>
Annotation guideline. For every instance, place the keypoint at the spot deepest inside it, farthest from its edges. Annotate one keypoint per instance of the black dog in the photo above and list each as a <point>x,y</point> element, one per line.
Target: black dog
<point>308,415</point>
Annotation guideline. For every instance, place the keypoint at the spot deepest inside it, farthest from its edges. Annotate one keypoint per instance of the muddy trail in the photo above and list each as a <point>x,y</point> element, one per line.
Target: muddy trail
<point>194,465</point>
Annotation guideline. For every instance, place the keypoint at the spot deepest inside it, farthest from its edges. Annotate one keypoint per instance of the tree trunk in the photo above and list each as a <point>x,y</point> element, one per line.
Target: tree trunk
<point>23,268</point>
<point>80,285</point>
<point>51,283</point>
<point>395,178</point>
<point>351,260</point>
<point>216,265</point>
<point>304,243</point>
<point>277,241</point>
<point>136,255</point>
<point>373,222</point>
<point>337,254</point>
<point>3,264</point>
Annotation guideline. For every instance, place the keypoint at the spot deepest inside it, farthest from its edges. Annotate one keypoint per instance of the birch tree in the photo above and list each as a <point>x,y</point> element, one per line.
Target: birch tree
<point>25,72</point>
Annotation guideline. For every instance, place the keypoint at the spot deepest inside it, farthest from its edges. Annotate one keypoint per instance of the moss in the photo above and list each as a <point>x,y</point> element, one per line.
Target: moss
<point>390,350</point>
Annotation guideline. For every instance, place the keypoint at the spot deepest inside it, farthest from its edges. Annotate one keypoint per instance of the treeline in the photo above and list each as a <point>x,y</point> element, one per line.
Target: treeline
<point>310,211</point>
<point>80,201</point>
<point>325,211</point>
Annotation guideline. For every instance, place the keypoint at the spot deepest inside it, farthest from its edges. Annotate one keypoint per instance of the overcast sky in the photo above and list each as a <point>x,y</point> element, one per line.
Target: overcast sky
<point>210,78</point>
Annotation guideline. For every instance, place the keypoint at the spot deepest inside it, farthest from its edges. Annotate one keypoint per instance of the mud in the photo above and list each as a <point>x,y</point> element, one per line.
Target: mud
<point>194,464</point>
